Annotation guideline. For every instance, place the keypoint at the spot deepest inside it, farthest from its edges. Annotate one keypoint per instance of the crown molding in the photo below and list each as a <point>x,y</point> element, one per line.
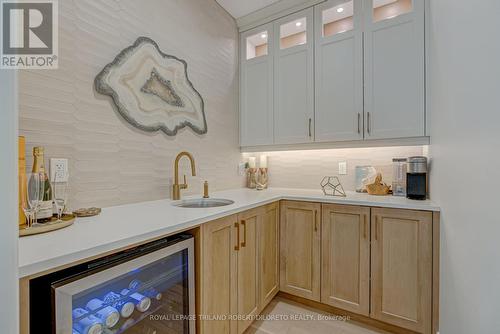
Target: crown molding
<point>273,12</point>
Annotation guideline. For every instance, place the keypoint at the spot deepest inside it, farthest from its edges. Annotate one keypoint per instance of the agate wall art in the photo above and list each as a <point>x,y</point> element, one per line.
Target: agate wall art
<point>151,90</point>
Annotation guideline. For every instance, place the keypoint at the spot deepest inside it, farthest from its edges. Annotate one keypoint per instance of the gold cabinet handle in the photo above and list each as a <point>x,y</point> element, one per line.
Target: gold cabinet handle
<point>365,225</point>
<point>376,228</point>
<point>237,226</point>
<point>315,220</point>
<point>359,123</point>
<point>368,127</point>
<point>244,224</point>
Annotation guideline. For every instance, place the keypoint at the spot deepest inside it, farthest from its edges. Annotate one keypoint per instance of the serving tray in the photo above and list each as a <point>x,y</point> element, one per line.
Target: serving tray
<point>52,225</point>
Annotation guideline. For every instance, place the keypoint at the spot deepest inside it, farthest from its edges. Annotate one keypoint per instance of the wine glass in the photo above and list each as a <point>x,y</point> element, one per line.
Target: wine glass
<point>32,195</point>
<point>60,195</point>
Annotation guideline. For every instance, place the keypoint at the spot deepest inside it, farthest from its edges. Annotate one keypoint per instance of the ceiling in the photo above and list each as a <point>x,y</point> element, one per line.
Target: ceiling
<point>239,8</point>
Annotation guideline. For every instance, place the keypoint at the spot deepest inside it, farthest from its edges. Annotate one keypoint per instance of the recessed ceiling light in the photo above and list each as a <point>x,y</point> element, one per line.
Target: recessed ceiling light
<point>340,10</point>
<point>263,36</point>
<point>298,24</point>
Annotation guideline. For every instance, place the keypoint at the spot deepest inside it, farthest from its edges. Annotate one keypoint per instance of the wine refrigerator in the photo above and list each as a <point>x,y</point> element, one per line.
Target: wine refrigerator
<point>148,289</point>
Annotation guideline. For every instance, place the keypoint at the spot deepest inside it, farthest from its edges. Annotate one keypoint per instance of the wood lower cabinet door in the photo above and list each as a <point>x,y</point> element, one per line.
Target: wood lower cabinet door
<point>300,264</point>
<point>248,268</point>
<point>401,267</point>
<point>218,276</point>
<point>345,244</point>
<point>269,254</point>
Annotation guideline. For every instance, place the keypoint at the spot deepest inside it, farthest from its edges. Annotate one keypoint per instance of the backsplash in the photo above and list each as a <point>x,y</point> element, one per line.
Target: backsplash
<point>111,162</point>
<point>306,169</point>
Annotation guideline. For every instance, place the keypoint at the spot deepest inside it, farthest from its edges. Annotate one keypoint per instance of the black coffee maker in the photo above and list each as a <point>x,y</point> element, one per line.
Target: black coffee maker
<point>416,178</point>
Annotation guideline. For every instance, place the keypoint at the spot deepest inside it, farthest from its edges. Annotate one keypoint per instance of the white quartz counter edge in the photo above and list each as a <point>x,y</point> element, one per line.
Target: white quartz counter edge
<point>122,226</point>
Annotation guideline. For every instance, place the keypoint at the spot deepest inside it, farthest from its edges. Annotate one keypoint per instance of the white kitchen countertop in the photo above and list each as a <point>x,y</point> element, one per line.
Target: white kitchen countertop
<point>121,226</point>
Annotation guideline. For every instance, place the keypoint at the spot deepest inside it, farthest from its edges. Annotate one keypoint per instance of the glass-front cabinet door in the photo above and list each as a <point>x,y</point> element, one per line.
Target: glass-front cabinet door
<point>394,58</point>
<point>153,293</point>
<point>294,78</point>
<point>339,70</point>
<point>256,86</point>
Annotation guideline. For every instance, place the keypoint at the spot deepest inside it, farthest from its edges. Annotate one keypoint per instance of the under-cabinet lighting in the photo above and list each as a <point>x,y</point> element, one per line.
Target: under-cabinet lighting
<point>340,10</point>
<point>263,36</point>
<point>298,24</point>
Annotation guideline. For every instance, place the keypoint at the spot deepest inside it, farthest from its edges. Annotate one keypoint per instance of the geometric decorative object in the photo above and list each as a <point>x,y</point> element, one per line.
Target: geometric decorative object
<point>332,187</point>
<point>151,90</point>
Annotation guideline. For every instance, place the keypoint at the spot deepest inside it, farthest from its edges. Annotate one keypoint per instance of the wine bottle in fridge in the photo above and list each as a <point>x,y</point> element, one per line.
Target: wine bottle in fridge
<point>89,324</point>
<point>107,314</point>
<point>142,303</point>
<point>123,304</point>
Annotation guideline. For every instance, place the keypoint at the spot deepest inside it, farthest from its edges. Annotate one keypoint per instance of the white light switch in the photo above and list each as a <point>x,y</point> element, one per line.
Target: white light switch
<point>343,168</point>
<point>59,170</point>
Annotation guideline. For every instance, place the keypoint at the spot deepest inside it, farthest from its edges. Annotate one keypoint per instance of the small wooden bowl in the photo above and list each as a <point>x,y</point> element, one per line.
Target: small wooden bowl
<point>87,212</point>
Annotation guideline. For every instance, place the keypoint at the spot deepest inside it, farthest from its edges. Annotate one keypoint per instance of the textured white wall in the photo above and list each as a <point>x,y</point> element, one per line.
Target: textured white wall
<point>9,308</point>
<point>306,169</point>
<point>111,162</point>
<point>465,105</point>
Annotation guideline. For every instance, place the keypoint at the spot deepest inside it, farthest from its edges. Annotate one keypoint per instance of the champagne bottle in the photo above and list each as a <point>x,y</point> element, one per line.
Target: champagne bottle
<point>46,206</point>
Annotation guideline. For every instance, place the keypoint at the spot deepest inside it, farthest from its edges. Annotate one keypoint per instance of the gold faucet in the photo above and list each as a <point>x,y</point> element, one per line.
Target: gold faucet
<point>176,194</point>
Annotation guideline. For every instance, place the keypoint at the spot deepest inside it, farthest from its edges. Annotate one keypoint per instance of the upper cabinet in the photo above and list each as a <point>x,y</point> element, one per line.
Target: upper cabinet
<point>256,86</point>
<point>339,71</point>
<point>293,79</point>
<point>394,68</point>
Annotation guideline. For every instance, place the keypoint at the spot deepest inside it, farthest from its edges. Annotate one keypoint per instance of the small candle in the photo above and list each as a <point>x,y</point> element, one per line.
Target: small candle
<point>263,161</point>
<point>251,162</point>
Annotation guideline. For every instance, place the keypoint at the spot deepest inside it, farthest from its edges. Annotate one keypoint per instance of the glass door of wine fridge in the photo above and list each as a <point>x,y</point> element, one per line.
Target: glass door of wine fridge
<point>149,294</point>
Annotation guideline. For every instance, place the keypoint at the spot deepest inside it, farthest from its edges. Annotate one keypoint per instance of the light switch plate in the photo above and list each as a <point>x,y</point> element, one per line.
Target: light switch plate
<point>59,170</point>
<point>343,168</point>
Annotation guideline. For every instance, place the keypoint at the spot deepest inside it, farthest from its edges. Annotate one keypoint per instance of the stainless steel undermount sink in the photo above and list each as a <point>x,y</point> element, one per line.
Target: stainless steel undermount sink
<point>202,203</point>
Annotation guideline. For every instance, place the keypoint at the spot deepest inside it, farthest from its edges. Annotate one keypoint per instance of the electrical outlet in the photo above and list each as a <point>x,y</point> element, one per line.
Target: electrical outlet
<point>241,168</point>
<point>59,170</point>
<point>343,168</point>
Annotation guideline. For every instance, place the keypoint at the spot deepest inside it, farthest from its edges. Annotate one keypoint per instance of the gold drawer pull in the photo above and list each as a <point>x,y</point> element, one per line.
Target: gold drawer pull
<point>237,226</point>
<point>364,227</point>
<point>244,224</point>
<point>316,220</point>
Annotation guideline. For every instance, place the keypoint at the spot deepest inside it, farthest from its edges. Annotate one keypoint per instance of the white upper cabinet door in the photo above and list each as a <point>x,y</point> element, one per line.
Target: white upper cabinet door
<point>394,68</point>
<point>339,70</point>
<point>256,86</point>
<point>293,79</point>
